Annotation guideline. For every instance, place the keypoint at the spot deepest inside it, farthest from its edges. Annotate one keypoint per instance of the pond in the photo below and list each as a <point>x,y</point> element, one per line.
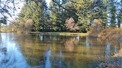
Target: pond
<point>49,51</point>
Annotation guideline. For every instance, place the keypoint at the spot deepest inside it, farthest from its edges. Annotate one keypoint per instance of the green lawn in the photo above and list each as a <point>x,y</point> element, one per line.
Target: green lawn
<point>62,33</point>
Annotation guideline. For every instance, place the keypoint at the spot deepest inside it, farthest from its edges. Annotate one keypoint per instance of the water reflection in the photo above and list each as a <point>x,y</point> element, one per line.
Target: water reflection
<point>107,51</point>
<point>47,59</point>
<point>10,55</point>
<point>87,43</point>
<point>70,44</point>
<point>118,53</point>
<point>46,51</point>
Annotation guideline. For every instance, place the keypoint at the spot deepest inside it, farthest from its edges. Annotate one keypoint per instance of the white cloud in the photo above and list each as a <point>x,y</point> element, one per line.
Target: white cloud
<point>48,2</point>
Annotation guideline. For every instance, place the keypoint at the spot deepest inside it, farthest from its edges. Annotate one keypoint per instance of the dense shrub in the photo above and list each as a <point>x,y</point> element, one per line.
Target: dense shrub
<point>105,34</point>
<point>111,34</point>
<point>96,28</point>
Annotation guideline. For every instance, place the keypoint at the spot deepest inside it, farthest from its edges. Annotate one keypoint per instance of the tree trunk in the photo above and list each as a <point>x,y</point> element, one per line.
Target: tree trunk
<point>119,24</point>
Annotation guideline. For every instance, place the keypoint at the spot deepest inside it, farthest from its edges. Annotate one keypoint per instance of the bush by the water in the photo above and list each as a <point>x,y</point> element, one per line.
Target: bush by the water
<point>105,34</point>
<point>21,26</point>
<point>96,28</point>
<point>108,34</point>
<point>111,34</point>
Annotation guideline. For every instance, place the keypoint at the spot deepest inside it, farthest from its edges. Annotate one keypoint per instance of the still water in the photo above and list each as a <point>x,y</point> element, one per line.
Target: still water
<point>46,51</point>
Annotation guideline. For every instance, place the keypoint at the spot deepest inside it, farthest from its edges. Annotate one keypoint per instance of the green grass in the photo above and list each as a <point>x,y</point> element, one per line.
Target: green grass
<point>62,33</point>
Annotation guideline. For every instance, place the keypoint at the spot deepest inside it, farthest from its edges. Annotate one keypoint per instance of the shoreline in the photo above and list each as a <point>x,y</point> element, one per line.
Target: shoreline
<point>60,33</point>
<point>54,33</point>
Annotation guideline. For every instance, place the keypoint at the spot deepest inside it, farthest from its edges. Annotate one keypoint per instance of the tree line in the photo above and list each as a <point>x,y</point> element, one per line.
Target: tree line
<point>68,15</point>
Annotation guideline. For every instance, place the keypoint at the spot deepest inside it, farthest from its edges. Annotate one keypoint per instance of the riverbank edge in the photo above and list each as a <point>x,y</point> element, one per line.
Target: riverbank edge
<point>60,33</point>
<point>55,33</point>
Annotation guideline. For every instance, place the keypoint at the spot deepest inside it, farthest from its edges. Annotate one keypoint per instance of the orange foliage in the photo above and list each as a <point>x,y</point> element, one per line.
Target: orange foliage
<point>96,28</point>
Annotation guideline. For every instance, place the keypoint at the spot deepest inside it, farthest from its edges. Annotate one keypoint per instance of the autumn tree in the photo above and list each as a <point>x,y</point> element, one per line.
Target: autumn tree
<point>71,25</point>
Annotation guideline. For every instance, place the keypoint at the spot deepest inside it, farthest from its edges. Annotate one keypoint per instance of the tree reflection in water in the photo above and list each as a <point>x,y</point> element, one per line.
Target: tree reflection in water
<point>119,53</point>
<point>107,51</point>
<point>10,55</point>
<point>53,59</point>
<point>53,51</point>
<point>47,59</point>
<point>70,44</point>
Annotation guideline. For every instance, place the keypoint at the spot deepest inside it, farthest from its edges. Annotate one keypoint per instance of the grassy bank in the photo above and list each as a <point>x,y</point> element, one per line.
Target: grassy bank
<point>61,33</point>
<point>53,33</point>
